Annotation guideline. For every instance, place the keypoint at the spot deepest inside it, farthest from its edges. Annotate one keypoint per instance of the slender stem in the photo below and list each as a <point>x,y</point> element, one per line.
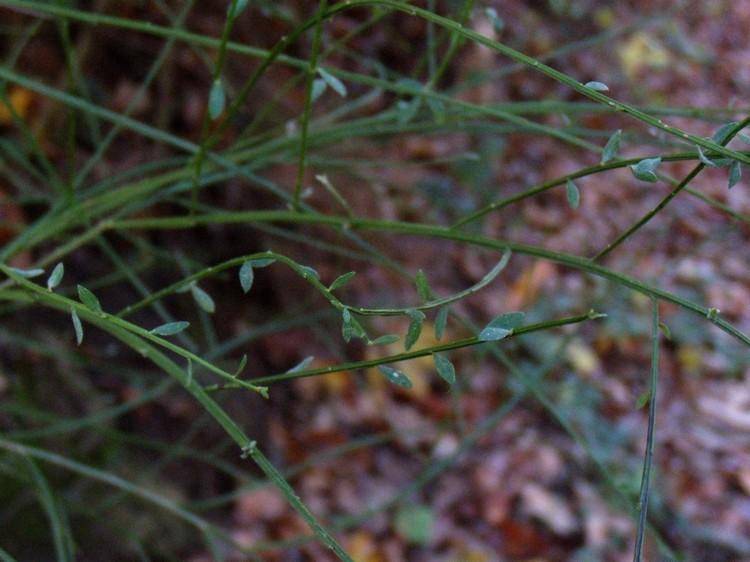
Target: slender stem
<point>649,453</point>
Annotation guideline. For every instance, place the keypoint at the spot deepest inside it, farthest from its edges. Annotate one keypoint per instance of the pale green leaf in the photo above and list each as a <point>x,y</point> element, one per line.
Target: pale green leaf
<point>170,328</point>
<point>76,325</point>
<point>246,276</point>
<point>302,365</point>
<point>395,376</point>
<point>723,133</point>
<point>645,170</point>
<point>415,327</point>
<point>89,299</point>
<point>572,194</point>
<point>334,83</point>
<point>735,173</point>
<point>440,321</point>
<point>643,399</point>
<point>384,340</point>
<point>423,288</point>
<point>318,87</point>
<point>27,273</point>
<point>216,99</point>
<point>445,369</point>
<point>612,146</point>
<point>597,86</point>
<point>501,327</point>
<point>56,276</point>
<point>202,298</point>
<point>341,280</point>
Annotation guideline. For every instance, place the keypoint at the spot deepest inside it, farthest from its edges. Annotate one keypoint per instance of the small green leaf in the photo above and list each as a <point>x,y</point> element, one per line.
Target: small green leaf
<point>202,298</point>
<point>318,87</point>
<point>384,340</point>
<point>665,329</point>
<point>702,157</point>
<point>571,192</point>
<point>445,369</point>
<point>643,399</point>
<point>744,138</point>
<point>261,262</point>
<point>645,169</point>
<point>309,272</point>
<point>415,327</point>
<point>27,273</point>
<point>56,277</point>
<point>170,328</point>
<point>351,328</point>
<point>612,146</point>
<point>76,325</point>
<point>395,376</point>
<point>735,173</point>
<point>415,523</point>
<point>216,99</point>
<point>302,365</point>
<point>241,366</point>
<point>246,276</point>
<point>597,86</point>
<point>341,280</point>
<point>89,299</point>
<point>497,22</point>
<point>440,321</point>
<point>335,84</point>
<point>423,288</point>
<point>723,133</point>
<point>501,327</point>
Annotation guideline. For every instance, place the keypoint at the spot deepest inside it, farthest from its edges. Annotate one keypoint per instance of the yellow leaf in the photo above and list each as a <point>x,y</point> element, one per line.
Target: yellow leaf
<point>20,100</point>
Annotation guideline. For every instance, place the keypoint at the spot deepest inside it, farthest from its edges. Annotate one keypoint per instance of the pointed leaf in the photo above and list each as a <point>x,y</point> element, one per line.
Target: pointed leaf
<point>415,327</point>
<point>309,272</point>
<point>597,86</point>
<point>395,376</point>
<point>262,262</point>
<point>665,329</point>
<point>341,280</point>
<point>702,157</point>
<point>643,399</point>
<point>501,326</point>
<point>27,273</point>
<point>170,328</point>
<point>571,192</point>
<point>302,365</point>
<point>744,138</point>
<point>445,369</point>
<point>497,22</point>
<point>246,276</point>
<point>318,87</point>
<point>612,146</point>
<point>351,328</point>
<point>723,133</point>
<point>89,299</point>
<point>645,169</point>
<point>335,84</point>
<point>56,276</point>
<point>384,340</point>
<point>423,288</point>
<point>216,99</point>
<point>735,173</point>
<point>440,321</point>
<point>241,366</point>
<point>76,325</point>
<point>202,298</point>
